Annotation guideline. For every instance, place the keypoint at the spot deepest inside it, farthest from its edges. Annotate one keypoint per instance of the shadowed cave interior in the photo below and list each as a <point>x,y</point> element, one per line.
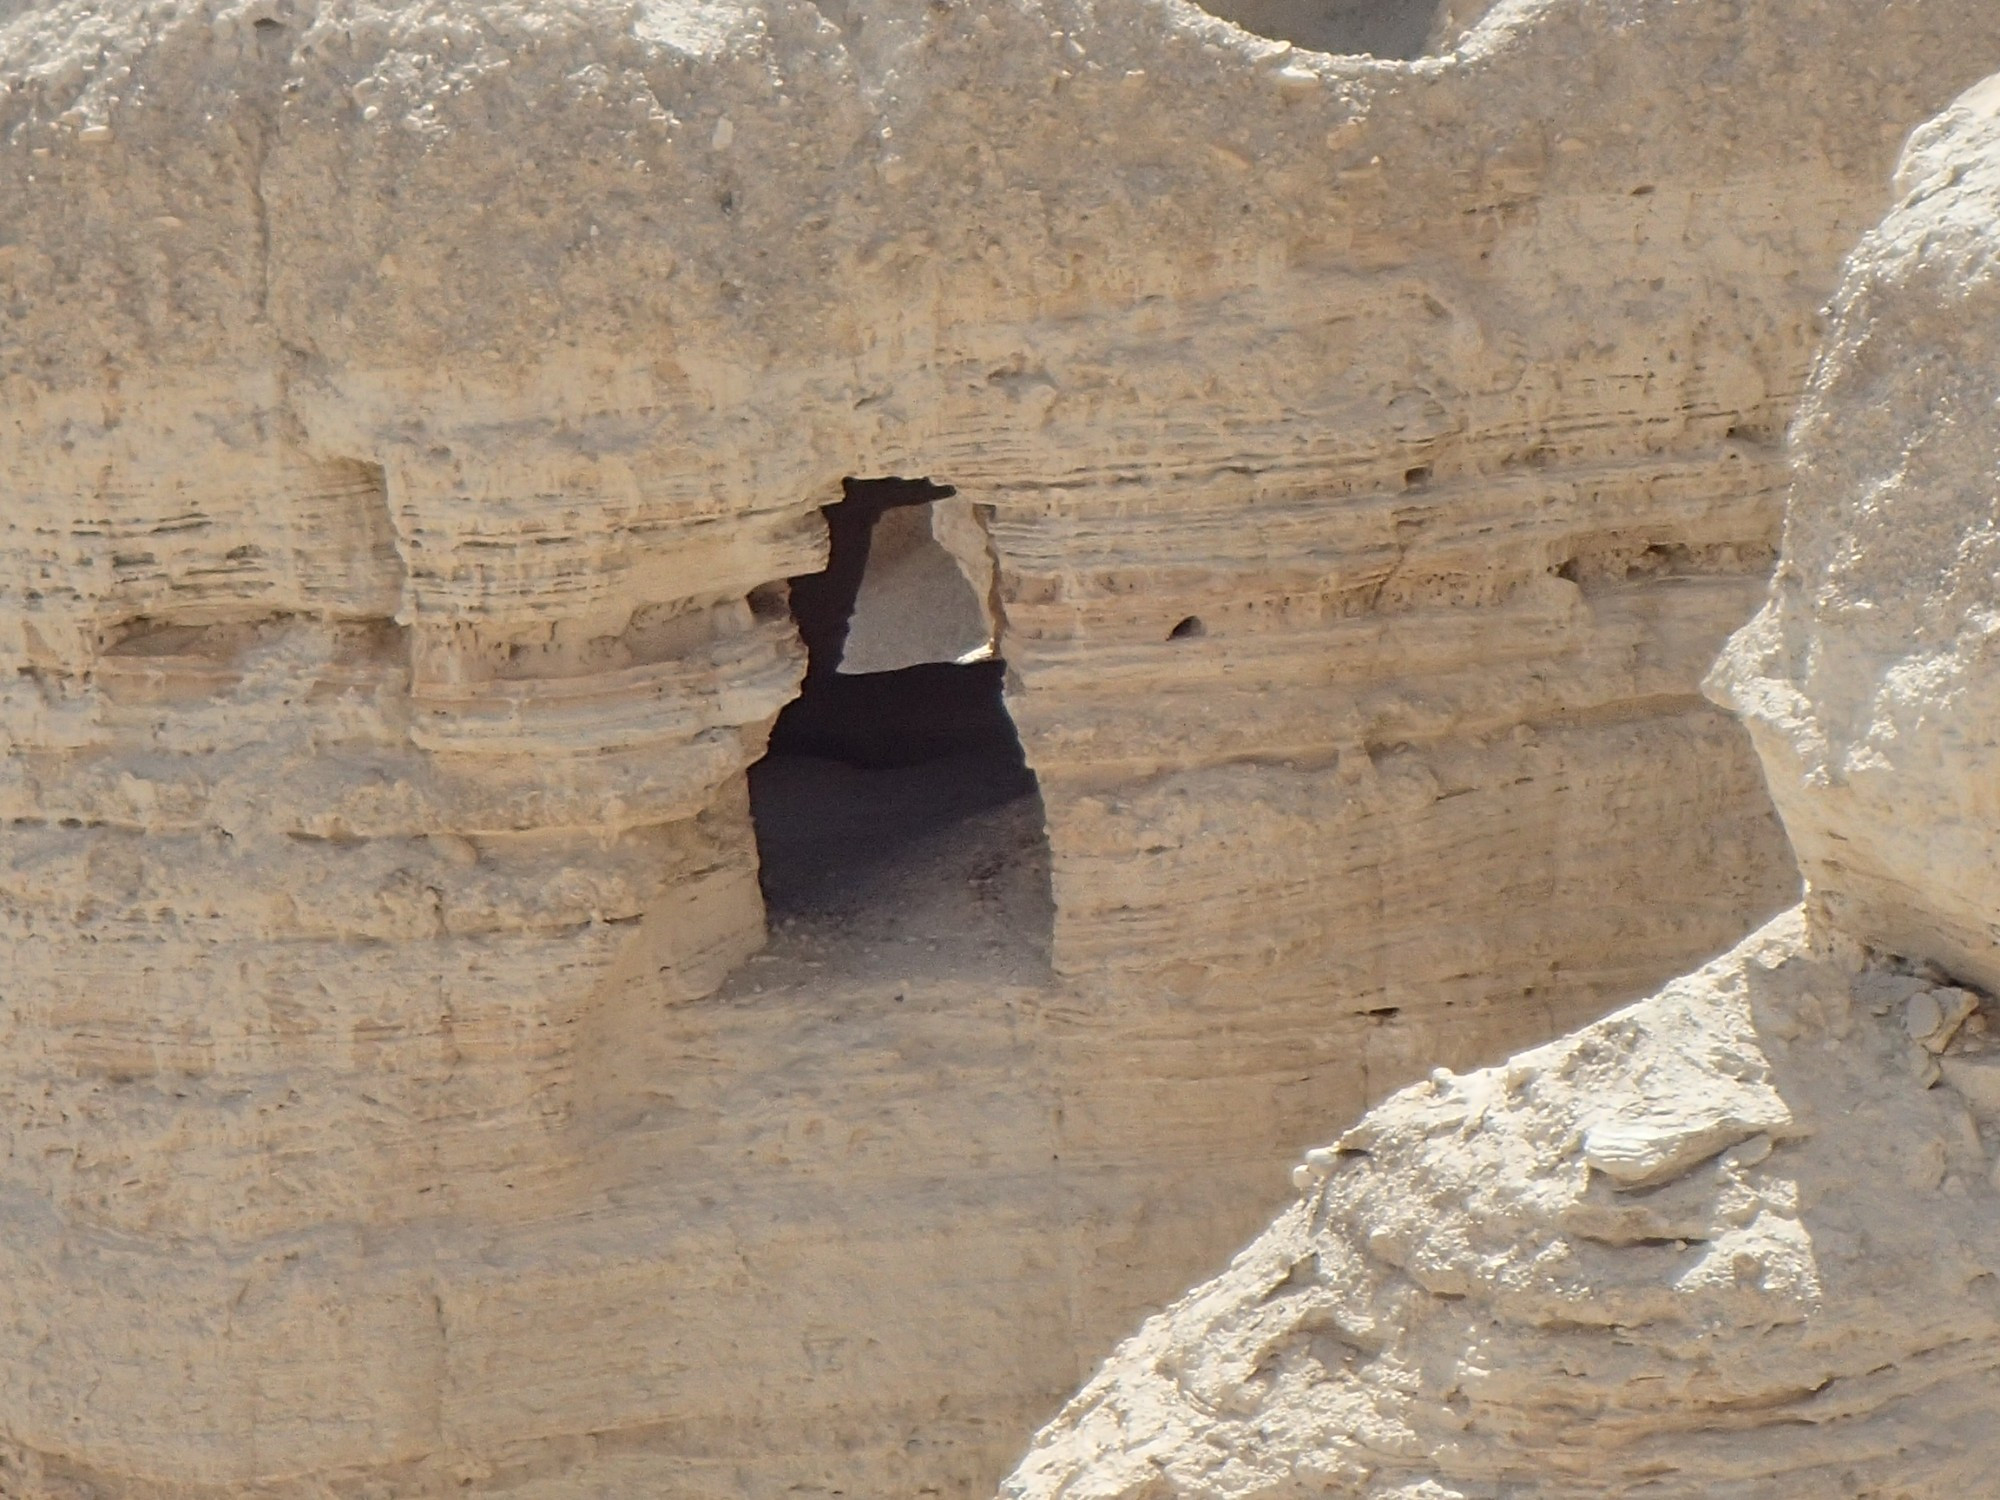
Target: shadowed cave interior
<point>896,806</point>
<point>1376,28</point>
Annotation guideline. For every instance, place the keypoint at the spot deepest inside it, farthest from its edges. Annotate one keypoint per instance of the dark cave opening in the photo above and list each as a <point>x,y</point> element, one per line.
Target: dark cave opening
<point>891,787</point>
<point>1366,28</point>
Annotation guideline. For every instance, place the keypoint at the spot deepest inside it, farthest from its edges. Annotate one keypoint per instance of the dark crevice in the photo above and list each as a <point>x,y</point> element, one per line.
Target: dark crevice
<point>822,603</point>
<point>885,789</point>
<point>1374,28</point>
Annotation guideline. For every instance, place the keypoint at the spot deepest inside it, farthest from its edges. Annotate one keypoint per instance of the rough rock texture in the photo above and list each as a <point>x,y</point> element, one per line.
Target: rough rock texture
<point>924,596</point>
<point>1869,680</point>
<point>1727,1242</point>
<point>1741,1239</point>
<point>411,414</point>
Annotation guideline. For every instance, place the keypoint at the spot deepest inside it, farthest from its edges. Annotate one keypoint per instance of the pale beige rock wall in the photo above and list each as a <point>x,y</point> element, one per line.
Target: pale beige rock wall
<point>1736,1240</point>
<point>408,411</point>
<point>1867,679</point>
<point>1740,1240</point>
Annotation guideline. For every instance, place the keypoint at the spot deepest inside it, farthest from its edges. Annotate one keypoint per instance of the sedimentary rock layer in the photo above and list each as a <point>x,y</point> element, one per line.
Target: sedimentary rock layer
<point>413,413</point>
<point>1738,1240</point>
<point>1735,1240</point>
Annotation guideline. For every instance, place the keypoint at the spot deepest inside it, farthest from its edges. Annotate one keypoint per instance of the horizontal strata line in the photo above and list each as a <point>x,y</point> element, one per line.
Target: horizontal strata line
<point>1350,470</point>
<point>1357,647</point>
<point>1717,490</point>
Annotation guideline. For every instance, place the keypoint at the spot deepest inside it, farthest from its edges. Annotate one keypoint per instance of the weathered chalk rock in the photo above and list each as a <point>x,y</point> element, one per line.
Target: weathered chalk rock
<point>1730,1241</point>
<point>1741,1239</point>
<point>1869,680</point>
<point>922,599</point>
<point>413,415</point>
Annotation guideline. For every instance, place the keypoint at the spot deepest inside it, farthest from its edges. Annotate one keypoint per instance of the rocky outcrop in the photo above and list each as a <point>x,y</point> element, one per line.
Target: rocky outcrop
<point>1738,1240</point>
<point>1867,693</point>
<point>413,414</point>
<point>1667,1254</point>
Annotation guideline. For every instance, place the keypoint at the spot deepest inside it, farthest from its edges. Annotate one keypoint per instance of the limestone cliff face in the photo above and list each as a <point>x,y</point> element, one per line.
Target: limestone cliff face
<point>412,413</point>
<point>1667,1254</point>
<point>1867,680</point>
<point>1741,1239</point>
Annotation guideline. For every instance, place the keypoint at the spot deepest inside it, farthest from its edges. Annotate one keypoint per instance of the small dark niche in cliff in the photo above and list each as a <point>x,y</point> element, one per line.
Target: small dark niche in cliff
<point>1374,28</point>
<point>896,805</point>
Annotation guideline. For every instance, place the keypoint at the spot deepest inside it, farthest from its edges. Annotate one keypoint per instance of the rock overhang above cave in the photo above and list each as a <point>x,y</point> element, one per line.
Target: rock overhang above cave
<point>686,187</point>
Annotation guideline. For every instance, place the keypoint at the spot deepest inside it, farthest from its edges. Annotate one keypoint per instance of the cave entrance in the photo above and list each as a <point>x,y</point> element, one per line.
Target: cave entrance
<point>895,804</point>
<point>1370,28</point>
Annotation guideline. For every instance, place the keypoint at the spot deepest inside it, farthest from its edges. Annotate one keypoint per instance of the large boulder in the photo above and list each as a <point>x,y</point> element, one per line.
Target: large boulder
<point>1871,680</point>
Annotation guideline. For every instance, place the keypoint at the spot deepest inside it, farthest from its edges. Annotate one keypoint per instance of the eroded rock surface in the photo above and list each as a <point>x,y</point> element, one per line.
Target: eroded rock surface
<point>1741,1239</point>
<point>1868,681</point>
<point>1730,1241</point>
<point>413,414</point>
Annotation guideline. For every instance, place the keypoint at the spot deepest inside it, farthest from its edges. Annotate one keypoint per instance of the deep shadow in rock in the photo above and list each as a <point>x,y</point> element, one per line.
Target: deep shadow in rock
<point>923,853</point>
<point>1376,28</point>
<point>897,806</point>
<point>884,720</point>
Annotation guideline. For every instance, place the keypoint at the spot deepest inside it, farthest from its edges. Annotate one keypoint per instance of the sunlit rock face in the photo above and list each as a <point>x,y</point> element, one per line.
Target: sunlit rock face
<point>1741,1239</point>
<point>417,417</point>
<point>1737,1239</point>
<point>1869,681</point>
